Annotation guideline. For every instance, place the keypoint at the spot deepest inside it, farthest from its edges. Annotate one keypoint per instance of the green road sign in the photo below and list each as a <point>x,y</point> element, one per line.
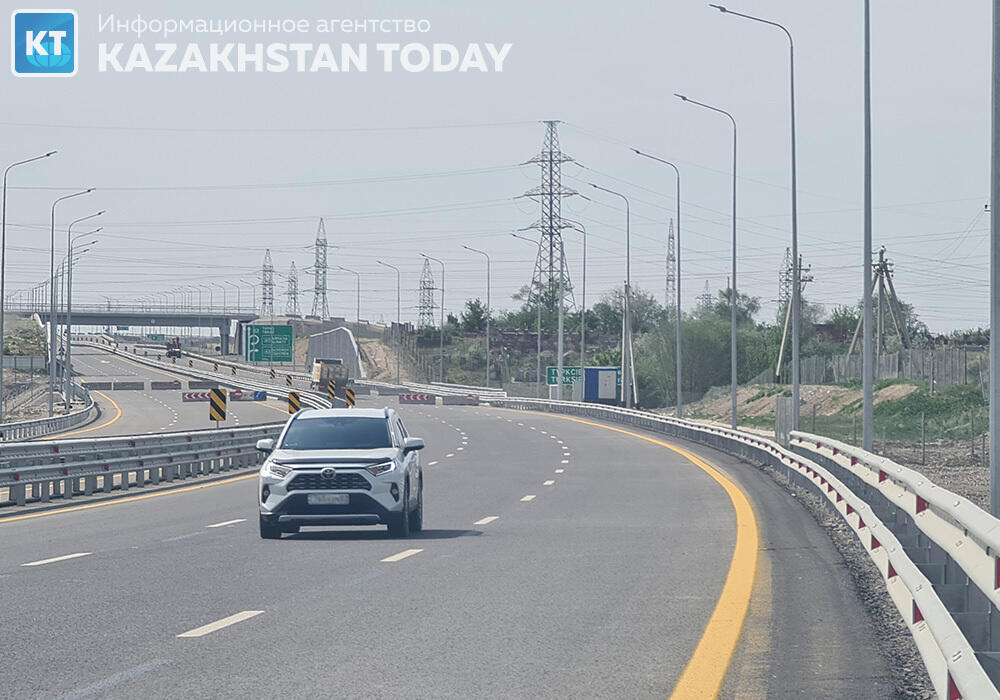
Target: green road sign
<point>570,375</point>
<point>122,328</point>
<point>268,344</point>
<point>155,336</point>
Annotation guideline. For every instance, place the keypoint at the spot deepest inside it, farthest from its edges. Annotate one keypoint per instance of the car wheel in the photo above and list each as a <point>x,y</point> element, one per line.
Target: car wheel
<point>417,516</point>
<point>268,531</point>
<point>400,525</point>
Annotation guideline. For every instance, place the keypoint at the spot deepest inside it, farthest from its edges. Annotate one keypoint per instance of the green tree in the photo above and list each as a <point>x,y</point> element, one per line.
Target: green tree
<point>474,316</point>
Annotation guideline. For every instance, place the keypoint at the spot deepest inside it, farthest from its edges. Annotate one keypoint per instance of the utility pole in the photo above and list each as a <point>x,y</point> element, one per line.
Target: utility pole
<point>488,307</point>
<point>320,307</point>
<point>399,327</point>
<point>441,351</point>
<point>266,287</point>
<point>867,356</point>
<point>292,306</point>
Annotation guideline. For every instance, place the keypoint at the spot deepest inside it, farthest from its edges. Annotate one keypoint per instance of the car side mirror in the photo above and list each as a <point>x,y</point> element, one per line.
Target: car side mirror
<point>411,444</point>
<point>266,445</point>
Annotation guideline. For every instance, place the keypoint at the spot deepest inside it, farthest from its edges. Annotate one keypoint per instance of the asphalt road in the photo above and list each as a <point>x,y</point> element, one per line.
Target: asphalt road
<point>600,585</point>
<point>128,412</point>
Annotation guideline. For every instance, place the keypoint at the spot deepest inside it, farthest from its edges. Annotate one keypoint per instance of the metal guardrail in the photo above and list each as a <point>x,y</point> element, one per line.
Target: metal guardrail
<point>22,430</point>
<point>956,541</point>
<point>41,471</point>
<point>311,399</point>
<point>954,667</point>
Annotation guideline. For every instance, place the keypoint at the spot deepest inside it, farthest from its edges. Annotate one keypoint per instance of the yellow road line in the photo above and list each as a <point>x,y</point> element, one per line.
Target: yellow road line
<point>129,499</point>
<point>706,670</point>
<point>118,414</point>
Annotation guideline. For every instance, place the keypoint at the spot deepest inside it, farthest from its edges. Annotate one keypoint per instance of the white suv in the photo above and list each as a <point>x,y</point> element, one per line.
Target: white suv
<point>341,467</point>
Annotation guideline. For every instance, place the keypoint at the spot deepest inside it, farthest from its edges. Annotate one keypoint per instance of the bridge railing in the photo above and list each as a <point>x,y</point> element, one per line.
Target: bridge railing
<point>40,471</point>
<point>38,427</point>
<point>943,635</point>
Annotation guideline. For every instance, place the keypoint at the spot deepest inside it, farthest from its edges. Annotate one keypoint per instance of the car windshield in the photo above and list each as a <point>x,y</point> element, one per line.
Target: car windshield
<point>339,433</point>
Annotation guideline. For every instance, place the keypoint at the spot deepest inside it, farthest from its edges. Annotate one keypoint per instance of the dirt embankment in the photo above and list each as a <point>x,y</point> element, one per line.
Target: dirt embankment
<point>759,400</point>
<point>379,361</point>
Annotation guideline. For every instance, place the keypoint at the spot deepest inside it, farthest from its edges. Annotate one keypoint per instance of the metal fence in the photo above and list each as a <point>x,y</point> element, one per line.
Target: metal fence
<point>23,430</point>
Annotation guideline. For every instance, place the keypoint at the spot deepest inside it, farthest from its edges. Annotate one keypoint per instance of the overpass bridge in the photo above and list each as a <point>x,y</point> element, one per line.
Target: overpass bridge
<point>150,316</point>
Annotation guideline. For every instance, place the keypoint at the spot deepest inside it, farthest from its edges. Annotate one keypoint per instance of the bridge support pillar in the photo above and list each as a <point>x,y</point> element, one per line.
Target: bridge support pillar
<point>224,338</point>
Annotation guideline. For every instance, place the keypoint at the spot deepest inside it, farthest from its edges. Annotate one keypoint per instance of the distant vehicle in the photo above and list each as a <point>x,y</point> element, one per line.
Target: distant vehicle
<point>174,347</point>
<point>326,370</point>
<point>332,467</point>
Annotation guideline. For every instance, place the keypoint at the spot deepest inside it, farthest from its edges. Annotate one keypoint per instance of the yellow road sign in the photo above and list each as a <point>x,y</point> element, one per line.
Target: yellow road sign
<point>288,379</point>
<point>294,402</point>
<point>331,391</point>
<point>233,369</point>
<point>349,397</point>
<point>273,374</point>
<point>217,404</point>
<point>215,366</point>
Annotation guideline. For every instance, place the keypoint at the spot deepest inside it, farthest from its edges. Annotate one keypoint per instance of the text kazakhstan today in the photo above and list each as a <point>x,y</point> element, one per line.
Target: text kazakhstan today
<point>300,57</point>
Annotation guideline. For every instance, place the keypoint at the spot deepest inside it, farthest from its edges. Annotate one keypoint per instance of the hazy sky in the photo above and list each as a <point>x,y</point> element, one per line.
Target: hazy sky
<point>201,173</point>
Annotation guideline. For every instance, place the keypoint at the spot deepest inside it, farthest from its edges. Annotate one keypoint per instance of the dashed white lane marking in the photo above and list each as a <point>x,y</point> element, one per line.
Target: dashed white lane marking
<point>228,522</point>
<point>559,441</point>
<point>549,483</point>
<point>459,449</point>
<point>564,461</point>
<point>533,427</point>
<point>521,424</point>
<point>543,432</point>
<point>487,520</point>
<point>529,497</point>
<point>403,555</point>
<point>560,471</point>
<point>64,557</point>
<point>431,464</point>
<point>450,454</point>
<point>220,624</point>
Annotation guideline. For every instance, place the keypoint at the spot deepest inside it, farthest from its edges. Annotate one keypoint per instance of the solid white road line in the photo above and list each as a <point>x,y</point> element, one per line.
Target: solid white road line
<point>549,483</point>
<point>64,557</point>
<point>528,498</point>
<point>560,471</point>
<point>228,522</point>
<point>403,555</point>
<point>220,624</point>
<point>487,520</point>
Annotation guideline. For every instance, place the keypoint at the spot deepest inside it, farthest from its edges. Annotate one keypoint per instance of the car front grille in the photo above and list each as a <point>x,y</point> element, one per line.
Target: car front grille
<point>316,482</point>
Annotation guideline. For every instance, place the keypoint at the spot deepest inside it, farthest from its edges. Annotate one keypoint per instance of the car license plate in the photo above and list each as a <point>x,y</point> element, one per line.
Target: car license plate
<point>328,499</point>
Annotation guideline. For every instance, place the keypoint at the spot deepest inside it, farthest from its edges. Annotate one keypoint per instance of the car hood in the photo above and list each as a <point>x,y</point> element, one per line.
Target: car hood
<point>305,457</point>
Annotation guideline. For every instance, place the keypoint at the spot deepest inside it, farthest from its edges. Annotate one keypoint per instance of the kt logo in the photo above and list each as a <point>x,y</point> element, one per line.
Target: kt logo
<point>43,42</point>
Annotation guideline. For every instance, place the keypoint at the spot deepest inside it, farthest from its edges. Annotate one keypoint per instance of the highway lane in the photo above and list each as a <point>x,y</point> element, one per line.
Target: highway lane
<point>149,411</point>
<point>599,586</point>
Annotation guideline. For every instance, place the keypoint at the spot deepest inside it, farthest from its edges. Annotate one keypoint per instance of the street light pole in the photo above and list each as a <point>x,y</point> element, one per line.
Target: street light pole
<point>796,300</point>
<point>733,300</point>
<point>677,275</point>
<point>628,380</point>
<point>68,359</point>
<point>237,287</point>
<point>3,259</point>
<point>441,352</point>
<point>538,330</point>
<point>52,296</point>
<point>399,328</point>
<point>994,271</point>
<point>488,310</point>
<point>867,354</point>
<point>357,275</point>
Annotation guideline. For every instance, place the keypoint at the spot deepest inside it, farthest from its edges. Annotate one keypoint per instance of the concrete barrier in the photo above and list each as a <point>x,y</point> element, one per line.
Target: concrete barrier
<point>389,391</point>
<point>176,384</point>
<point>129,386</point>
<point>362,390</point>
<point>201,384</point>
<point>469,400</point>
<point>106,386</point>
<point>424,399</point>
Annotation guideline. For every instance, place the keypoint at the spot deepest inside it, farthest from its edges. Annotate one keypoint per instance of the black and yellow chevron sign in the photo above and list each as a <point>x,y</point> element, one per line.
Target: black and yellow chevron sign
<point>349,397</point>
<point>273,374</point>
<point>217,404</point>
<point>331,391</point>
<point>288,379</point>
<point>294,402</point>
<point>233,370</point>
<point>215,366</point>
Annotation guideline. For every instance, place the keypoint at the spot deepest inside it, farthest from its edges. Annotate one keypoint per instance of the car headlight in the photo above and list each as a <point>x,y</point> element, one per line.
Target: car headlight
<point>380,469</point>
<point>276,470</point>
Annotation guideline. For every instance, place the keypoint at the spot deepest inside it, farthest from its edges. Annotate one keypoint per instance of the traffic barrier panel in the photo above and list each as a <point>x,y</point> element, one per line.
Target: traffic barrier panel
<point>349,397</point>
<point>247,395</point>
<point>294,402</point>
<point>194,396</point>
<point>217,404</point>
<point>199,384</point>
<point>423,399</point>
